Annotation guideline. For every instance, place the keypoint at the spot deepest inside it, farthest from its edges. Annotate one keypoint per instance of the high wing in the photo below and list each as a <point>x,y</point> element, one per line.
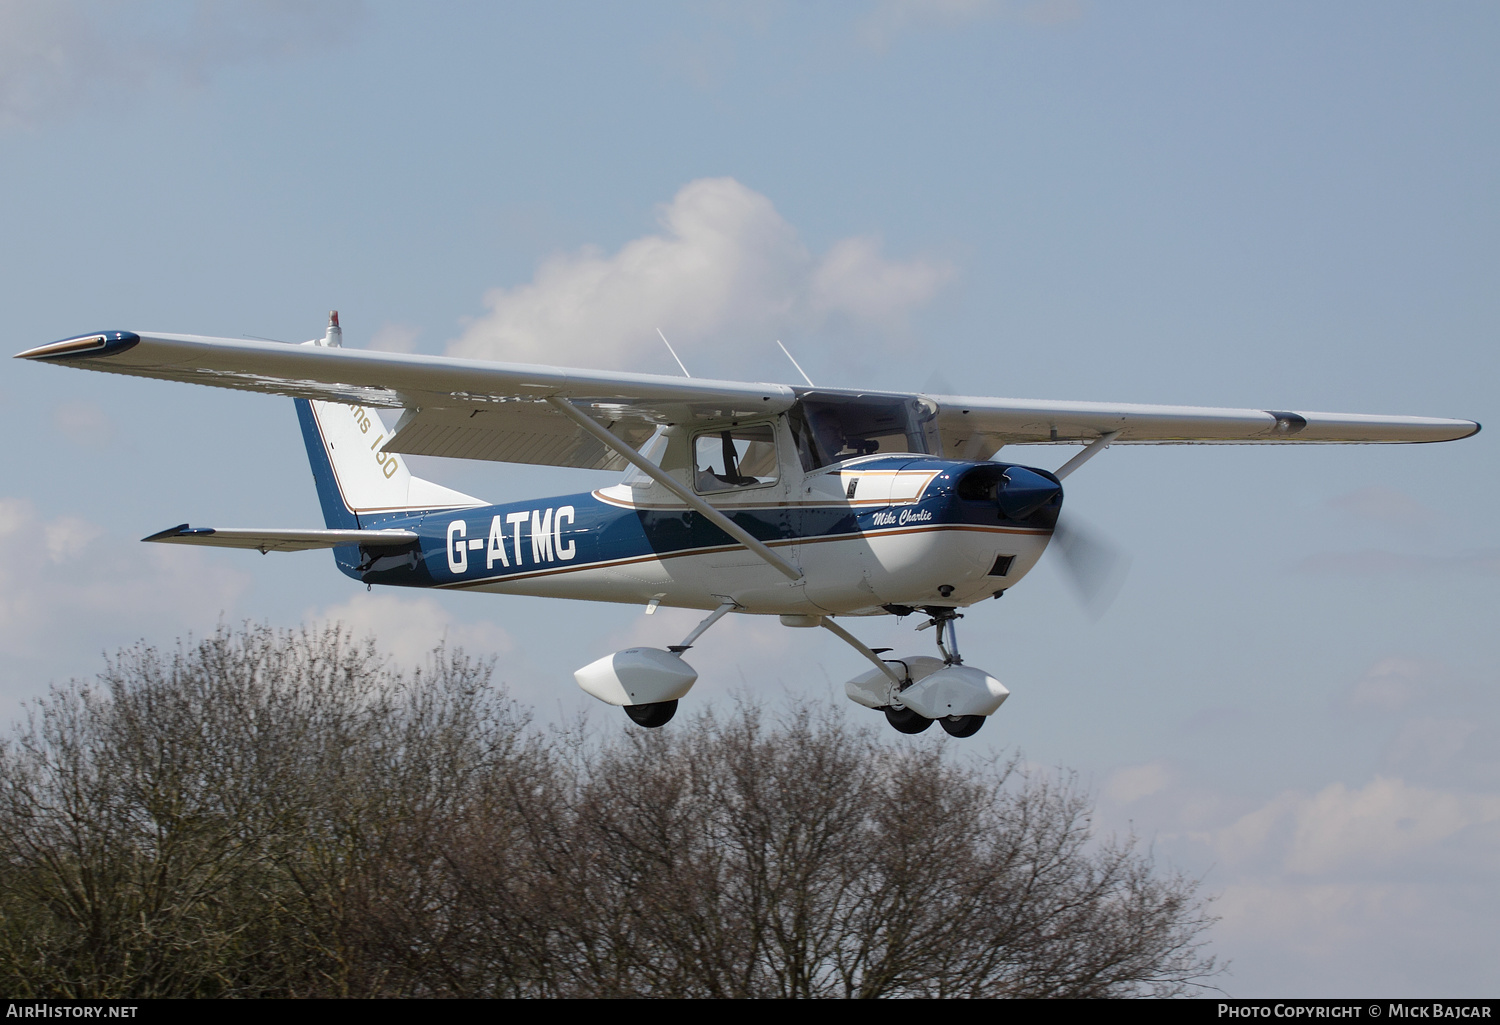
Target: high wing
<point>974,427</point>
<point>276,539</point>
<point>467,409</point>
<point>500,411</point>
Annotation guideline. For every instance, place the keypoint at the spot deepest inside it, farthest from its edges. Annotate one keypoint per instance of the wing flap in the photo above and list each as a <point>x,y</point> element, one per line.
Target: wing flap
<point>282,540</point>
<point>513,432</point>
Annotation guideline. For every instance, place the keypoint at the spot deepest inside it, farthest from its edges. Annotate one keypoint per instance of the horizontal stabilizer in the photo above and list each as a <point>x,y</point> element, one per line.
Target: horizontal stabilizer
<point>277,540</point>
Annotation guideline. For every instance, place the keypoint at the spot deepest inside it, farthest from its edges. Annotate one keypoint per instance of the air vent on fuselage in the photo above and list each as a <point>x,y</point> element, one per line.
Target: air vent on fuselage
<point>1001,568</point>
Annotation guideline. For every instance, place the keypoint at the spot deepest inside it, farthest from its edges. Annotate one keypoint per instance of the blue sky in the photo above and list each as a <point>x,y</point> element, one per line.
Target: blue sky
<point>1275,205</point>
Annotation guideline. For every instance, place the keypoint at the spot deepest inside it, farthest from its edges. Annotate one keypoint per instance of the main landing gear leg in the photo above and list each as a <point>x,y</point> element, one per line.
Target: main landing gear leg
<point>899,716</point>
<point>903,719</point>
<point>713,617</point>
<point>659,713</point>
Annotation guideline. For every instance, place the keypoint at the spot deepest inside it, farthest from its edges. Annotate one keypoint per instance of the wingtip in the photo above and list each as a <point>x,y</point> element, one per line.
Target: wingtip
<point>177,531</point>
<point>100,343</point>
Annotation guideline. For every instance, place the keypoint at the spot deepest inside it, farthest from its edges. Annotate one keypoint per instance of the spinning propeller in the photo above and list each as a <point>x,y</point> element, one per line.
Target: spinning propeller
<point>1094,567</point>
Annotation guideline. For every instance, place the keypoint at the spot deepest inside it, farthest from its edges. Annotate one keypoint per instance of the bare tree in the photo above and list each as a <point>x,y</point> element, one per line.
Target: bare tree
<point>237,818</point>
<point>811,859</point>
<point>264,813</point>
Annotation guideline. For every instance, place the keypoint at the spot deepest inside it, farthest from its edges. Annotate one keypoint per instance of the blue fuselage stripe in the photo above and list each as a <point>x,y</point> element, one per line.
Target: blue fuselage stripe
<point>467,547</point>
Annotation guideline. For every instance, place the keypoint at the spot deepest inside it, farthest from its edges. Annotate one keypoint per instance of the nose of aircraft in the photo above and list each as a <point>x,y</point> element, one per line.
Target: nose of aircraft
<point>1022,492</point>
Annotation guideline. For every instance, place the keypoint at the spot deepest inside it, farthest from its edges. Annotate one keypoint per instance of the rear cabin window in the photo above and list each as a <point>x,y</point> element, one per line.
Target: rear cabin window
<point>738,457</point>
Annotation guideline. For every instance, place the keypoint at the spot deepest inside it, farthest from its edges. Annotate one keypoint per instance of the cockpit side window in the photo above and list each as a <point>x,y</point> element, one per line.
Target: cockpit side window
<point>736,457</point>
<point>835,429</point>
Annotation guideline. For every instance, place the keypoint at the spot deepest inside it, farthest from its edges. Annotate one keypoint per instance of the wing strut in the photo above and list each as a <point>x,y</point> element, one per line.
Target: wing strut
<point>1096,446</point>
<point>655,472</point>
<point>855,643</point>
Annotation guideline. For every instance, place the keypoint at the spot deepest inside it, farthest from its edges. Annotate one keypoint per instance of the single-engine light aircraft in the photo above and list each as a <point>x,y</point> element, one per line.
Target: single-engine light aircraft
<point>812,504</point>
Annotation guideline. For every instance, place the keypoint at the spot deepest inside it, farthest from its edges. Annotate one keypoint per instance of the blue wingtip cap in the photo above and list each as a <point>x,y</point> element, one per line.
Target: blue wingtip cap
<point>100,343</point>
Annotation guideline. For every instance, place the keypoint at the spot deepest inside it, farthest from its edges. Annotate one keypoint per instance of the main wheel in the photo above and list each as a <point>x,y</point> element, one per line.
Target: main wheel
<point>658,713</point>
<point>962,725</point>
<point>907,721</point>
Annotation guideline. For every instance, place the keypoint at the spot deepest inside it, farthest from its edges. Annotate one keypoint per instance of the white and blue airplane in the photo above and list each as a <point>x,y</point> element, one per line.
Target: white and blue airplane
<point>801,502</point>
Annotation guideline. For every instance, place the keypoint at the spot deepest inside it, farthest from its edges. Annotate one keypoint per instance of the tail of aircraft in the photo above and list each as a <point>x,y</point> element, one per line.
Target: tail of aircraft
<point>358,484</point>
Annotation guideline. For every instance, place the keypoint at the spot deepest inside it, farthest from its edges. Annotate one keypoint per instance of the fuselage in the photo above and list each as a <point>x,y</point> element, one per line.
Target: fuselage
<point>896,530</point>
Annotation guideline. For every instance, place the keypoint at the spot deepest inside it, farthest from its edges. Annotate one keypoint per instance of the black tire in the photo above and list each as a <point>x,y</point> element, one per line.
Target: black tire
<point>906,721</point>
<point>658,713</point>
<point>962,725</point>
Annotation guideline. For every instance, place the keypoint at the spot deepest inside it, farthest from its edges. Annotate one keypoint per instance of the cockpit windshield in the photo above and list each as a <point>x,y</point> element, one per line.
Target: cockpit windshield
<point>829,429</point>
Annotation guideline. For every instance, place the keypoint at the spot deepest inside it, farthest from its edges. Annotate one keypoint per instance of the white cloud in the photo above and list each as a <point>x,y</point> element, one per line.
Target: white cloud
<point>56,55</point>
<point>54,573</point>
<point>395,338</point>
<point>1386,506</point>
<point>1384,886</point>
<point>407,629</point>
<point>83,423</point>
<point>889,19</point>
<point>68,538</point>
<point>855,279</point>
<point>1372,562</point>
<point>1384,825</point>
<point>66,576</point>
<point>1318,915</point>
<point>14,514</point>
<point>703,59</point>
<point>1442,721</point>
<point>1334,938</point>
<point>1440,745</point>
<point>1394,683</point>
<point>724,277</point>
<point>1134,782</point>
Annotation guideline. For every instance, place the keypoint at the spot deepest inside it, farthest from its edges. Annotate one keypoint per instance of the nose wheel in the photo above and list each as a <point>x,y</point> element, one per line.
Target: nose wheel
<point>959,725</point>
<point>925,690</point>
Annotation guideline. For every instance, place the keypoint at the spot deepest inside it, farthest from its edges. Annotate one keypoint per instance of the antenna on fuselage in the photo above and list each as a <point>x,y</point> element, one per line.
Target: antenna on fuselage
<point>674,353</point>
<point>797,365</point>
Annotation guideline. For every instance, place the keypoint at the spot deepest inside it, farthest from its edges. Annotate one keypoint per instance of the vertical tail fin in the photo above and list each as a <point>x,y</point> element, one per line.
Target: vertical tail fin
<point>358,484</point>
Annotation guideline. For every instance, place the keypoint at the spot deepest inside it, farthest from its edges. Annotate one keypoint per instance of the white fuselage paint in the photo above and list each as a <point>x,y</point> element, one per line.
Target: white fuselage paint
<point>846,575</point>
